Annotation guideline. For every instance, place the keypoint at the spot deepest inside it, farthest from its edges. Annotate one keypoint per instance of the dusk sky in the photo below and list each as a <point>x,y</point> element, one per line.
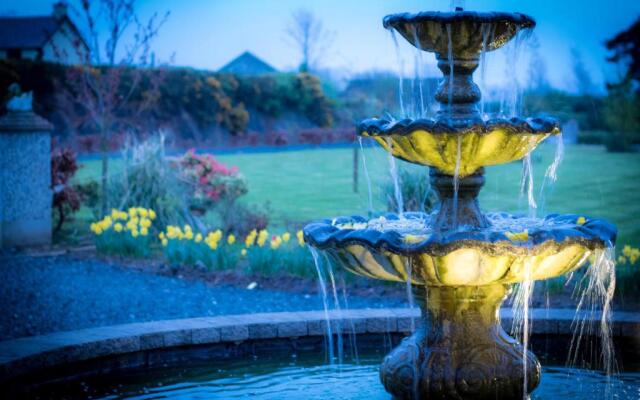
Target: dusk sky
<point>207,33</point>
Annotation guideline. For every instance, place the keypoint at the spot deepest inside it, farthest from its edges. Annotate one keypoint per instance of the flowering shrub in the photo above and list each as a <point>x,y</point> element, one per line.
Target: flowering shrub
<point>125,233</point>
<point>211,181</point>
<point>66,199</point>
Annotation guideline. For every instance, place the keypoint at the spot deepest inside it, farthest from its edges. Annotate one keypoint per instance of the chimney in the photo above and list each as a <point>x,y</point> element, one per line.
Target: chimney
<point>59,10</point>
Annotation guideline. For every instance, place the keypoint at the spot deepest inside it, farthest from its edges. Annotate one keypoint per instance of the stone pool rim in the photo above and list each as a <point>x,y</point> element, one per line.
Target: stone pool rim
<point>23,356</point>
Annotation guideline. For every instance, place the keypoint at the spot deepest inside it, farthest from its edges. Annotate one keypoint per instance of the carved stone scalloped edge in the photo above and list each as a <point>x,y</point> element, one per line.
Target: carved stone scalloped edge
<point>522,20</point>
<point>601,231</point>
<point>383,127</point>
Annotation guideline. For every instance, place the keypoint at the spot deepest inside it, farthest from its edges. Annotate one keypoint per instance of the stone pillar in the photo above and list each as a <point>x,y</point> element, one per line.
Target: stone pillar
<point>25,176</point>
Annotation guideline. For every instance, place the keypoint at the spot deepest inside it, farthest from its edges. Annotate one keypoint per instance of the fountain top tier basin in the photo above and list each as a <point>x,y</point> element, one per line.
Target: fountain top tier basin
<point>510,250</point>
<point>468,147</point>
<point>466,33</point>
<point>458,39</point>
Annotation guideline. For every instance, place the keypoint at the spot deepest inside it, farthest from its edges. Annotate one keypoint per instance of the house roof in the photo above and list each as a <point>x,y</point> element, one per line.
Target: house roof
<point>247,64</point>
<point>30,32</point>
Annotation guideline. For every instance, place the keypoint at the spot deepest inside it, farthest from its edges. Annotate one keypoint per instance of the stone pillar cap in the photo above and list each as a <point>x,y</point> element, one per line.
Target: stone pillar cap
<point>23,121</point>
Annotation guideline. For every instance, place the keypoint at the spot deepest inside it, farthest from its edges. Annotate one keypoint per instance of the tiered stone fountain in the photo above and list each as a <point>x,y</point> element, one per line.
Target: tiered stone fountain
<point>462,263</point>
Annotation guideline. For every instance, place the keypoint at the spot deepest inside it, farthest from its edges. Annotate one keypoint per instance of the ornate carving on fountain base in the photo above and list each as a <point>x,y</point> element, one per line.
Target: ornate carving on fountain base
<point>460,351</point>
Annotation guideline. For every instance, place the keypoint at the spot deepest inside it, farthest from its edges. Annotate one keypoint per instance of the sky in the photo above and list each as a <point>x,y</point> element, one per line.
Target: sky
<point>206,34</point>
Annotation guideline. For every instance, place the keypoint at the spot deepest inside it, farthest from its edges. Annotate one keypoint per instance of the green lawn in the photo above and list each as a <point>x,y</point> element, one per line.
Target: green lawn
<point>310,184</point>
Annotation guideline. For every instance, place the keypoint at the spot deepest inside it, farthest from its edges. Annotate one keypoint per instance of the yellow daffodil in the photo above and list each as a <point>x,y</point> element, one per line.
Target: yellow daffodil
<point>134,233</point>
<point>117,227</point>
<point>132,212</point>
<point>152,214</point>
<point>198,238</point>
<point>300,236</point>
<point>145,223</point>
<point>231,239</point>
<point>164,242</point>
<point>161,235</point>
<point>188,234</point>
<point>243,252</point>
<point>622,260</point>
<point>286,236</point>
<point>144,231</point>
<point>143,212</point>
<point>626,250</point>
<point>251,238</point>
<point>262,237</point>
<point>581,220</point>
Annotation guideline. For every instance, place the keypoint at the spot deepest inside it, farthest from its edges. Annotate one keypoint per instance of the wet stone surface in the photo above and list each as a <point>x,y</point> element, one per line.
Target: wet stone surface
<point>49,294</point>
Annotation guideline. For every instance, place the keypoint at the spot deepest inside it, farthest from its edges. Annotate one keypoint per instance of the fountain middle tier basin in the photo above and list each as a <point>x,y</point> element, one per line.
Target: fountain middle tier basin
<point>435,143</point>
<point>512,249</point>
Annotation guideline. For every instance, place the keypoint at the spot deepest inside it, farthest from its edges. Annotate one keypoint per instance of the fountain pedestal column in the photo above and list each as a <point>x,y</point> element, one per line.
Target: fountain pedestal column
<point>462,210</point>
<point>460,351</point>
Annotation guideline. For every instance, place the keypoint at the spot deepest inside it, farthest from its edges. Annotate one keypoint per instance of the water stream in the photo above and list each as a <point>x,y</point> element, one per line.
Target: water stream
<point>418,74</point>
<point>400,73</point>
<point>325,302</point>
<point>594,293</point>
<point>337,308</point>
<point>551,175</point>
<point>393,171</point>
<point>526,185</point>
<point>366,176</point>
<point>409,270</point>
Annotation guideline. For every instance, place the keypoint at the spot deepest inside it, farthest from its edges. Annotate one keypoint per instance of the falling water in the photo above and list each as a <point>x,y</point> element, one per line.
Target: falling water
<point>336,305</point>
<point>400,73</point>
<point>521,324</point>
<point>325,302</point>
<point>595,293</point>
<point>393,170</point>
<point>352,331</point>
<point>450,61</point>
<point>551,175</point>
<point>526,183</point>
<point>511,107</point>
<point>456,181</point>
<point>409,270</point>
<point>418,72</point>
<point>366,176</point>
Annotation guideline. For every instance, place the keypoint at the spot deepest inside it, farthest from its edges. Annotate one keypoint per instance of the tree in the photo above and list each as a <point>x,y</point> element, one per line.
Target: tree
<point>97,92</point>
<point>584,84</point>
<point>538,81</point>
<point>626,50</point>
<point>309,36</point>
<point>622,105</point>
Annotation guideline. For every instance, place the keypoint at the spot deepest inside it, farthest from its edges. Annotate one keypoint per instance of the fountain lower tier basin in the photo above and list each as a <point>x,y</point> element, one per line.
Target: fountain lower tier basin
<point>306,376</point>
<point>435,143</point>
<point>512,249</point>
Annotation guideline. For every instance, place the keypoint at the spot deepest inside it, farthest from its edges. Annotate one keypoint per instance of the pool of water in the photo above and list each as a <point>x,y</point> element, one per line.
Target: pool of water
<point>305,376</point>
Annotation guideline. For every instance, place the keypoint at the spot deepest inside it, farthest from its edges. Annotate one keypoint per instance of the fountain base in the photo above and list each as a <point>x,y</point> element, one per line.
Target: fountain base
<point>460,351</point>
